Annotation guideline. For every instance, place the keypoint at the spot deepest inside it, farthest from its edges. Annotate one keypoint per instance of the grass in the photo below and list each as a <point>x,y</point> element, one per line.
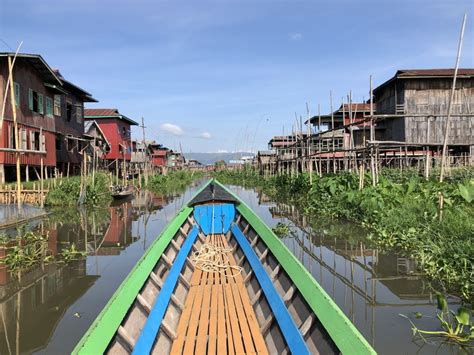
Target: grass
<point>401,213</point>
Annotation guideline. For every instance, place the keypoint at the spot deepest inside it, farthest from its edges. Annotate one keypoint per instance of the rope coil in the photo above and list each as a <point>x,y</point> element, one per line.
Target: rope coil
<point>213,258</point>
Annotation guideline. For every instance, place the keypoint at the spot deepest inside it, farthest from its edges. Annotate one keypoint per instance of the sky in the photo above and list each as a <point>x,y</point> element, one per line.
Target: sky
<point>215,76</point>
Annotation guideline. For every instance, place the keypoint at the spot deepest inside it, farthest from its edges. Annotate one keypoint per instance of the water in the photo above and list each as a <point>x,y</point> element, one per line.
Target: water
<point>50,307</point>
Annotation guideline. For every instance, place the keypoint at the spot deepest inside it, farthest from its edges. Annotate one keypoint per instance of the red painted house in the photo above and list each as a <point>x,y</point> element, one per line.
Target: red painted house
<point>45,106</point>
<point>116,128</point>
<point>159,155</point>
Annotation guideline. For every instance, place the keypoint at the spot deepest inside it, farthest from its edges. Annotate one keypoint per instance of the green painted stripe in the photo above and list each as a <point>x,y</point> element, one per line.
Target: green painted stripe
<point>341,330</point>
<point>101,332</point>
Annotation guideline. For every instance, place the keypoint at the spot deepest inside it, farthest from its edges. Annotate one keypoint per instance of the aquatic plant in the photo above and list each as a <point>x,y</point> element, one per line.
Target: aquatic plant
<point>68,190</point>
<point>402,213</point>
<point>455,326</point>
<point>281,229</point>
<point>174,181</point>
<point>27,249</point>
<point>70,254</point>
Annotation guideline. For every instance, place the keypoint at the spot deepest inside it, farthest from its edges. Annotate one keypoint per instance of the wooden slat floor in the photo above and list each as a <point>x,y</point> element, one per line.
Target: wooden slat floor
<point>218,317</point>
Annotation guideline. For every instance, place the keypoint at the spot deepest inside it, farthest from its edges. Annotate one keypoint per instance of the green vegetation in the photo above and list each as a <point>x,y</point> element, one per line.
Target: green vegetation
<point>174,181</point>
<point>30,248</point>
<point>281,229</point>
<point>455,326</point>
<point>402,212</point>
<point>68,191</point>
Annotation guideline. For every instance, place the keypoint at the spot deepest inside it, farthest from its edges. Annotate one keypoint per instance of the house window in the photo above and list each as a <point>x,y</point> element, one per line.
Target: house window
<point>36,143</point>
<point>70,144</point>
<point>49,106</point>
<point>69,112</point>
<point>12,137</point>
<point>23,139</point>
<point>79,114</point>
<point>17,94</point>
<point>35,101</point>
<point>40,104</point>
<point>58,141</point>
<point>57,105</point>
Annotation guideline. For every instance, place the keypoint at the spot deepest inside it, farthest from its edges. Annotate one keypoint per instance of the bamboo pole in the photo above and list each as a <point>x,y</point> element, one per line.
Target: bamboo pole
<point>333,132</point>
<point>309,161</point>
<point>372,133</point>
<point>319,141</point>
<point>451,99</point>
<point>17,137</point>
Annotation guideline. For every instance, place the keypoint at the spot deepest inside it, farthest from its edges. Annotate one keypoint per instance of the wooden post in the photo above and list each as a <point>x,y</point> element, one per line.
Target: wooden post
<point>333,132</point>
<point>116,172</point>
<point>372,134</point>
<point>17,137</point>
<point>345,160</point>
<point>309,160</point>
<point>319,142</point>
<point>42,182</point>
<point>450,102</point>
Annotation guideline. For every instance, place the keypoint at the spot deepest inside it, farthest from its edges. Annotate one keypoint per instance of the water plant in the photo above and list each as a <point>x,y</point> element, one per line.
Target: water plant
<point>68,190</point>
<point>30,248</point>
<point>281,229</point>
<point>455,326</point>
<point>174,181</point>
<point>71,254</point>
<point>401,213</point>
<point>27,249</point>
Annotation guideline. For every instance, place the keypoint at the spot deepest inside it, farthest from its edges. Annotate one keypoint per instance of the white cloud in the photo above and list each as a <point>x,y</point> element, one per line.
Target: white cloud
<point>296,36</point>
<point>175,130</point>
<point>222,151</point>
<point>205,135</point>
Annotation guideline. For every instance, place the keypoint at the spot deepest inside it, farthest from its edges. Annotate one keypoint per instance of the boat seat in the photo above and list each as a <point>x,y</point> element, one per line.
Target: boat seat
<point>290,331</point>
<point>148,334</point>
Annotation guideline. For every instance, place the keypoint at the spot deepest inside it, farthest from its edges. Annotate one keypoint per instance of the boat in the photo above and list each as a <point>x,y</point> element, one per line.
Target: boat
<point>218,280</point>
<point>119,192</point>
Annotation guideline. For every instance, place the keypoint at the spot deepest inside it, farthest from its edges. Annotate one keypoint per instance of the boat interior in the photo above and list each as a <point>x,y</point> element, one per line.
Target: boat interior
<point>218,289</point>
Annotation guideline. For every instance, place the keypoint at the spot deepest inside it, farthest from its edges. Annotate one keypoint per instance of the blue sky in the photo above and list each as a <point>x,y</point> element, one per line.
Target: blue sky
<point>227,75</point>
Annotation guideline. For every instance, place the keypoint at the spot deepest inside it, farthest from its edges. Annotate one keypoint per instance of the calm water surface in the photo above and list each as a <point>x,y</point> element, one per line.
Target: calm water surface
<point>49,308</point>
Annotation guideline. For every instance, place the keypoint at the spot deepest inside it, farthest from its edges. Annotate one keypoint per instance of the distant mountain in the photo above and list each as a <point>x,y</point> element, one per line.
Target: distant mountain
<point>211,158</point>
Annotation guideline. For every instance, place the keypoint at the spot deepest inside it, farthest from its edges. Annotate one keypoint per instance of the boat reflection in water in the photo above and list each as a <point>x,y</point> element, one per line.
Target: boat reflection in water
<point>33,302</point>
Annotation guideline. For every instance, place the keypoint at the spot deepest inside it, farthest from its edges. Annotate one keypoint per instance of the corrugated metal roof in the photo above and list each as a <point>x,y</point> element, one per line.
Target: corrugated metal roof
<point>427,74</point>
<point>107,112</point>
<point>38,63</point>
<point>434,72</point>
<point>94,113</point>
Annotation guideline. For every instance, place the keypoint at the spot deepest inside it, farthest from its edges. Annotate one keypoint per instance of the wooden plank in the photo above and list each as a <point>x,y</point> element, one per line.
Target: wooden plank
<point>211,346</point>
<point>193,322</point>
<point>230,339</point>
<point>221,323</point>
<point>178,344</point>
<point>242,319</point>
<point>234,322</point>
<point>203,327</point>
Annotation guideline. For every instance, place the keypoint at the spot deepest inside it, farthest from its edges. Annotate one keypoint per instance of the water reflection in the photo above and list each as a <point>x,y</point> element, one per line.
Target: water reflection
<point>34,302</point>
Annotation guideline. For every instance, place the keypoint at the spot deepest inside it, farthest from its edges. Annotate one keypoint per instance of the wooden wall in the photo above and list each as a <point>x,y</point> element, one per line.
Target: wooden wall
<point>427,97</point>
